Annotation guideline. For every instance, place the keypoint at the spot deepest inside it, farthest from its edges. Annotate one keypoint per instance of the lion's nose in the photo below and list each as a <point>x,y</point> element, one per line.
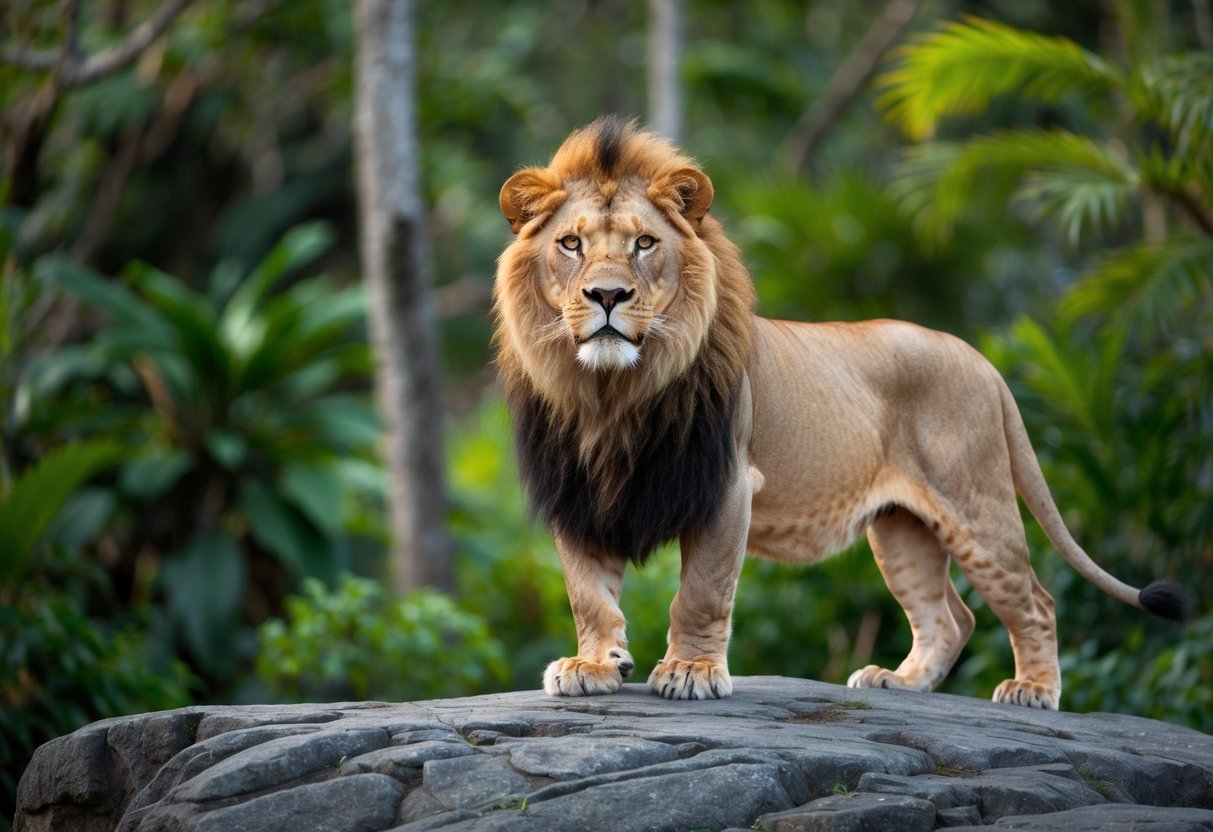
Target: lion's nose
<point>608,299</point>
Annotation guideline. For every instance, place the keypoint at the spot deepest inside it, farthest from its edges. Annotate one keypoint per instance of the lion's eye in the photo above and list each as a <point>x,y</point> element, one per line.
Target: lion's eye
<point>645,242</point>
<point>570,242</point>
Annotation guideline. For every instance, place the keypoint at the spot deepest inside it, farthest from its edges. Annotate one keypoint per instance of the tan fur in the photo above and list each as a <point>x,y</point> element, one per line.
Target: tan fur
<point>883,428</point>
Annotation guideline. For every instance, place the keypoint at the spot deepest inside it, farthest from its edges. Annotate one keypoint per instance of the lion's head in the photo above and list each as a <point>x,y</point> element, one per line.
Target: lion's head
<point>624,325</point>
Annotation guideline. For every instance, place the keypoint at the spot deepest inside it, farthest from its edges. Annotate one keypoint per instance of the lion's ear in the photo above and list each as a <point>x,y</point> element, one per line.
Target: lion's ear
<point>686,191</point>
<point>529,193</point>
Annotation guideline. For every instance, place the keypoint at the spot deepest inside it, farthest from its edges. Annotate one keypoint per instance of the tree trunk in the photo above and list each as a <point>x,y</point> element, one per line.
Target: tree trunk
<point>403,324</point>
<point>665,59</point>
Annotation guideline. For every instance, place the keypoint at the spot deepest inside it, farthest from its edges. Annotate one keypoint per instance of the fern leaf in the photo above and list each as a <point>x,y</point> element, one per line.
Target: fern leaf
<point>36,497</point>
<point>1060,173</point>
<point>1147,284</point>
<point>960,68</point>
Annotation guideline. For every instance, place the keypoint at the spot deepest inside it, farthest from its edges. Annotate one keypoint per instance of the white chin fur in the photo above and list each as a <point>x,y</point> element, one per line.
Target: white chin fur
<point>608,354</point>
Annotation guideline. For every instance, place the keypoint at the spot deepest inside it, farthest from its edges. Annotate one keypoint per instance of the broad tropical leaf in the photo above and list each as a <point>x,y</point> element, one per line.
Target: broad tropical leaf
<point>960,68</point>
<point>134,315</point>
<point>240,324</point>
<point>205,586</point>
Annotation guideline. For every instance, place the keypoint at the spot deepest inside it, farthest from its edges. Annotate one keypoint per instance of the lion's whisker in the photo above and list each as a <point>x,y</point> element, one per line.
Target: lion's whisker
<point>554,330</point>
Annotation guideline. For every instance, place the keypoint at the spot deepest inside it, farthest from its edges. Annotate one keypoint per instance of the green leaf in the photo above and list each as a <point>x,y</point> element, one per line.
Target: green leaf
<point>286,534</point>
<point>316,491</point>
<point>192,319</point>
<point>1146,284</point>
<point>1176,91</point>
<point>342,421</point>
<point>205,584</point>
<point>240,325</point>
<point>83,517</point>
<point>961,67</point>
<point>1080,198</point>
<point>227,448</point>
<point>299,327</point>
<point>129,311</point>
<point>154,472</point>
<point>37,496</point>
<point>1059,172</point>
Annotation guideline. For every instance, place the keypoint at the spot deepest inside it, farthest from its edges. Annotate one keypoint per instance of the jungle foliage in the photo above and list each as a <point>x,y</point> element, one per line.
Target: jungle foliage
<point>191,492</point>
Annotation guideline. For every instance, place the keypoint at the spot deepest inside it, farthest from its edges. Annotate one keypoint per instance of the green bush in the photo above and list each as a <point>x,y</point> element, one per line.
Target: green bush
<point>254,443</point>
<point>61,668</point>
<point>357,642</point>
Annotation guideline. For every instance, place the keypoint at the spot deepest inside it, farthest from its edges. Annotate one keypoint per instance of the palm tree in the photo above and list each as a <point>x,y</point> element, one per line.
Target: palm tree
<point>1144,165</point>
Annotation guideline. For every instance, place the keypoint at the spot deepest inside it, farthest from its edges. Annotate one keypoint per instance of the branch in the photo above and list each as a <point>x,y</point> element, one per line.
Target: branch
<point>124,54</point>
<point>78,72</point>
<point>34,61</point>
<point>812,127</point>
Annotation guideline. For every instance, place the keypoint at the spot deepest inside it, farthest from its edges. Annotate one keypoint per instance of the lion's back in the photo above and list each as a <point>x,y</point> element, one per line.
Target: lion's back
<point>838,407</point>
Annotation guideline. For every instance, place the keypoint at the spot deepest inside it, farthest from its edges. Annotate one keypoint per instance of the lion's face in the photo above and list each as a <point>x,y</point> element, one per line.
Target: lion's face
<point>609,271</point>
<point>611,289</point>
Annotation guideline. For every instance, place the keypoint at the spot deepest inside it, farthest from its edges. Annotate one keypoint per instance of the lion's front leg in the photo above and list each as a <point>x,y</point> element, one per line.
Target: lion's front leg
<point>594,582</point>
<point>696,664</point>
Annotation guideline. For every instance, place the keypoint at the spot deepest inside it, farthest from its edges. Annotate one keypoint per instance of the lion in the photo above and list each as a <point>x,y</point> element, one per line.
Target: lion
<point>649,403</point>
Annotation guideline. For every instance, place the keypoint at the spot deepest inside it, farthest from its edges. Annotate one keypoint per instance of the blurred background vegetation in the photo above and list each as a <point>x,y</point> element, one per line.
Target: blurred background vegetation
<point>192,493</point>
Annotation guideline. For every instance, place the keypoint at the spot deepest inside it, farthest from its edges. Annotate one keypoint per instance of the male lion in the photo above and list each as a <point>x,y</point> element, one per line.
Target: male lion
<point>649,403</point>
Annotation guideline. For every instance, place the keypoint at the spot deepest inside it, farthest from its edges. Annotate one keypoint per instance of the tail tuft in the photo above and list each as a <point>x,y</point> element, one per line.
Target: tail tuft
<point>1166,600</point>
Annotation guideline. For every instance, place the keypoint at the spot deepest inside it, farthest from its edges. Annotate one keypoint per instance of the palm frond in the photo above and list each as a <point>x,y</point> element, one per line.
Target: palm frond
<point>1079,198</point>
<point>1176,91</point>
<point>958,69</point>
<point>1059,173</point>
<point>1147,284</point>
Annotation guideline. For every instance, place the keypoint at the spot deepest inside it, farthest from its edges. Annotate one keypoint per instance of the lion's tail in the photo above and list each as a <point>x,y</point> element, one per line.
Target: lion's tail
<point>1162,598</point>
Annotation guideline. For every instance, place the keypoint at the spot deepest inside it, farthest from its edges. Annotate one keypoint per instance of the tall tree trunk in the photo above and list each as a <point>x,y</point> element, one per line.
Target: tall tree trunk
<point>402,315</point>
<point>665,59</point>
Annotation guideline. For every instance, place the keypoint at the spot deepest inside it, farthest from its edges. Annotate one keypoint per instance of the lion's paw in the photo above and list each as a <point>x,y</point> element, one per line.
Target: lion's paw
<point>874,676</point>
<point>694,679</point>
<point>1028,694</point>
<point>579,677</point>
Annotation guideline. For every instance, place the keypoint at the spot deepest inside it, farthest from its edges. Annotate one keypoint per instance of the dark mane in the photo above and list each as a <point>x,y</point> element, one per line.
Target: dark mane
<point>670,483</point>
<point>610,131</point>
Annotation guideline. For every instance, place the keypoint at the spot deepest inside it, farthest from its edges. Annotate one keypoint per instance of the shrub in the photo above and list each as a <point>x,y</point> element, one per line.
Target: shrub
<point>356,642</point>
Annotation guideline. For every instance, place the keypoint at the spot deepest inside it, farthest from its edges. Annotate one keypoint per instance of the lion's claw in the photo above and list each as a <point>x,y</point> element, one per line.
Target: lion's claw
<point>694,679</point>
<point>1028,694</point>
<point>874,676</point>
<point>623,660</point>
<point>580,677</point>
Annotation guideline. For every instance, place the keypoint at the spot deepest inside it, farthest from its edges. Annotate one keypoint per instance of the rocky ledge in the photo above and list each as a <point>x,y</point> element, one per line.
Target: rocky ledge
<point>781,754</point>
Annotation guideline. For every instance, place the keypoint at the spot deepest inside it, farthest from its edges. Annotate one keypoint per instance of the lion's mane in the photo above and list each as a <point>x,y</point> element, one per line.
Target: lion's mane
<point>620,462</point>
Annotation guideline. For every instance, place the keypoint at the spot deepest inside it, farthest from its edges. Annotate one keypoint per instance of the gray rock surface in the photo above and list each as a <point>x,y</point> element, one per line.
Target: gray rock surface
<point>781,754</point>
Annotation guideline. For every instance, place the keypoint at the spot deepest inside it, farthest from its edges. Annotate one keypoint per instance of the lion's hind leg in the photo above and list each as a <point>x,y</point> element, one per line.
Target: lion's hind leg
<point>996,561</point>
<point>915,568</point>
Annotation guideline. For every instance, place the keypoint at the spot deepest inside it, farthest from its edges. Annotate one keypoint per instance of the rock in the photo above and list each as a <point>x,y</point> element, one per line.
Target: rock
<point>569,758</point>
<point>995,793</point>
<point>790,754</point>
<point>1118,818</point>
<point>858,812</point>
